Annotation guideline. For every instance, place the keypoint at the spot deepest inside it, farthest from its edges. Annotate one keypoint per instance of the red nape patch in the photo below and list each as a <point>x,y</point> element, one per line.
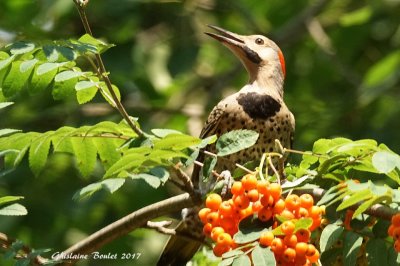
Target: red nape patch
<point>282,59</point>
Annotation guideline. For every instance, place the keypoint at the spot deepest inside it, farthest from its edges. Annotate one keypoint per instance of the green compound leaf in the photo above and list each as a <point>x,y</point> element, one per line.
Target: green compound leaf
<point>262,256</point>
<point>329,236</point>
<point>15,209</point>
<point>85,153</point>
<point>235,141</point>
<point>15,80</point>
<point>351,246</point>
<point>111,185</point>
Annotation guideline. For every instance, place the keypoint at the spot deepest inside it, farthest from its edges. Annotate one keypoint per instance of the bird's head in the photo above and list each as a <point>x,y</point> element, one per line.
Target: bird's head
<point>261,57</point>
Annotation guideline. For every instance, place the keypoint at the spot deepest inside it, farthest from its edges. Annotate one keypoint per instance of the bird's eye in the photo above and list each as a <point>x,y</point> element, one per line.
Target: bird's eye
<point>259,41</point>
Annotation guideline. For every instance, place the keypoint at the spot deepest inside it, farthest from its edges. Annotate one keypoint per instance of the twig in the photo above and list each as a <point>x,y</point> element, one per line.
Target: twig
<point>278,178</point>
<point>187,182</point>
<point>6,242</point>
<point>128,223</point>
<point>160,227</point>
<point>81,5</point>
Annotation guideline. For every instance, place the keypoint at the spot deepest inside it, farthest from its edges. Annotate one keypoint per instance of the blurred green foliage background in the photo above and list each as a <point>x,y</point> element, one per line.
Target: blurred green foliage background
<point>343,79</point>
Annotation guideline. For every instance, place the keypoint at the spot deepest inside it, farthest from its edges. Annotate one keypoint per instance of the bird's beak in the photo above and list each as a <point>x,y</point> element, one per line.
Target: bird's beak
<point>228,38</point>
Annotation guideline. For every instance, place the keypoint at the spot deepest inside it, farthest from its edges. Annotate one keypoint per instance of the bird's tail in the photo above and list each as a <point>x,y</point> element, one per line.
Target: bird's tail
<point>179,249</point>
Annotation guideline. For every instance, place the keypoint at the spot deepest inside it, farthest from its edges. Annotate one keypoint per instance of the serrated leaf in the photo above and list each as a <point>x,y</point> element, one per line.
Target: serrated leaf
<point>351,246</point>
<point>385,161</point>
<point>208,167</point>
<point>375,252</point>
<point>263,256</point>
<point>14,81</point>
<point>105,92</point>
<point>176,142</point>
<point>8,199</point>
<point>85,93</point>
<point>64,89</point>
<point>21,47</point>
<point>163,132</point>
<point>6,62</point>
<point>100,46</point>
<point>39,82</point>
<point>232,253</point>
<point>367,204</point>
<point>15,209</point>
<point>355,198</point>
<point>226,262</point>
<point>28,65</point>
<point>250,229</point>
<point>242,260</point>
<point>8,131</point>
<point>47,67</point>
<point>329,236</point>
<point>126,162</point>
<point>38,154</point>
<point>235,141</point>
<point>85,153</point>
<point>111,185</point>
<point>155,178</point>
<point>107,150</point>
<point>68,74</point>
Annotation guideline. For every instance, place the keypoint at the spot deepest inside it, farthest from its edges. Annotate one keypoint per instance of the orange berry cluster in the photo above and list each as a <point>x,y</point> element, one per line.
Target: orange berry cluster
<point>394,231</point>
<point>251,196</point>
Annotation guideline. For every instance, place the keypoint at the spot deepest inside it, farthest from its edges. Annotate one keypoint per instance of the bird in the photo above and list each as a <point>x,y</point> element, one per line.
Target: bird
<point>257,106</point>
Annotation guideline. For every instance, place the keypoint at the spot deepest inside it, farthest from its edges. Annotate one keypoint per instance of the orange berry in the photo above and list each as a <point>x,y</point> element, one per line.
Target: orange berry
<point>292,202</point>
<point>224,239</point>
<point>301,249</point>
<point>267,201</point>
<point>227,223</point>
<point>396,220</point>
<point>315,257</point>
<point>397,246</point>
<point>241,201</point>
<point>289,255</point>
<point>215,232</point>
<point>310,250</point>
<point>266,238</point>
<point>252,195</point>
<point>290,240</point>
<point>264,214</point>
<point>225,209</point>
<point>213,201</point>
<point>237,188</point>
<point>306,201</point>
<point>287,214</point>
<point>302,213</point>
<point>275,190</point>
<point>279,206</point>
<point>256,206</point>
<point>316,223</point>
<point>303,235</point>
<point>391,230</point>
<point>246,212</point>
<point>277,246</point>
<point>262,187</point>
<point>219,250</point>
<point>396,233</point>
<point>207,228</point>
<point>300,260</point>
<point>249,182</point>
<point>287,227</point>
<point>213,218</point>
<point>203,214</point>
<point>314,212</point>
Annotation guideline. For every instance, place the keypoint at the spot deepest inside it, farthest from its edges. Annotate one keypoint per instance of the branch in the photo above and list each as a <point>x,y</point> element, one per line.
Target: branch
<point>81,5</point>
<point>127,224</point>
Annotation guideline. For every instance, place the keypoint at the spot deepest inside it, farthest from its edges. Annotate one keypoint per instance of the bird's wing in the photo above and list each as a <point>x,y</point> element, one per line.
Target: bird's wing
<point>210,127</point>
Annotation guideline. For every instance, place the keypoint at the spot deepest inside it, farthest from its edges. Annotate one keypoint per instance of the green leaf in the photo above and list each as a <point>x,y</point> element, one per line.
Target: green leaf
<point>85,91</point>
<point>208,167</point>
<point>100,46</point>
<point>6,62</point>
<point>176,142</point>
<point>374,200</point>
<point>39,82</point>
<point>64,89</point>
<point>393,257</point>
<point>107,150</point>
<point>329,236</point>
<point>235,141</point>
<point>250,229</point>
<point>14,80</point>
<point>242,260</point>
<point>107,94</point>
<point>163,132</point>
<point>262,256</point>
<point>28,65</point>
<point>355,198</point>
<point>38,154</point>
<point>85,153</point>
<point>8,199</point>
<point>385,161</point>
<point>5,104</point>
<point>47,67</point>
<point>155,178</point>
<point>111,185</point>
<point>68,74</point>
<point>357,17</point>
<point>8,131</point>
<point>232,253</point>
<point>381,70</point>
<point>351,246</point>
<point>21,47</point>
<point>375,252</point>
<point>126,162</point>
<point>15,209</point>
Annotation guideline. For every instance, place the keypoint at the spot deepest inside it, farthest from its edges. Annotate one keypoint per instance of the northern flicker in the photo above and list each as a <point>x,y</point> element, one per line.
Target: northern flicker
<point>258,106</point>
